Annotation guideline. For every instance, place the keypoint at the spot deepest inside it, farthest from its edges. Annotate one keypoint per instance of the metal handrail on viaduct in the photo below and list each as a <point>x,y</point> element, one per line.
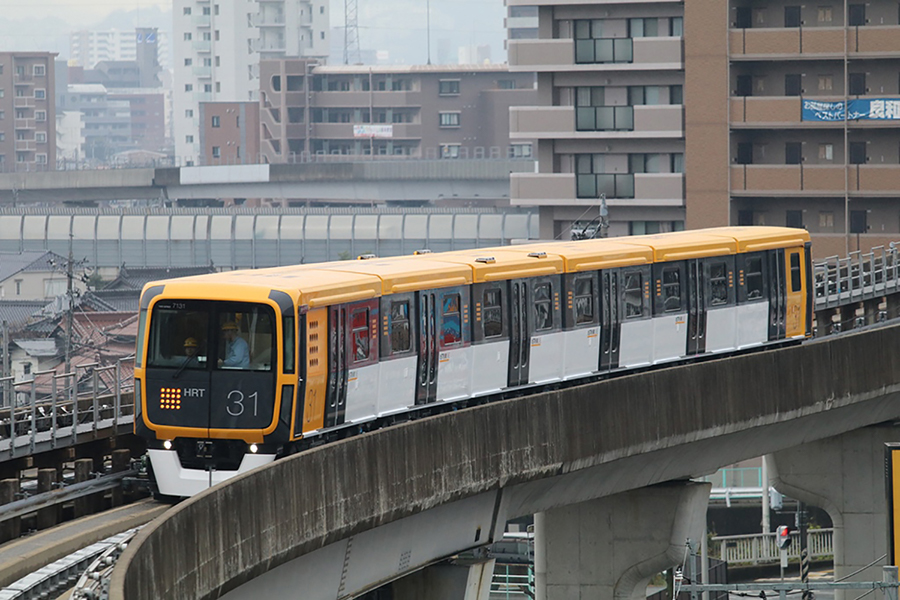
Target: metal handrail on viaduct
<point>525,455</point>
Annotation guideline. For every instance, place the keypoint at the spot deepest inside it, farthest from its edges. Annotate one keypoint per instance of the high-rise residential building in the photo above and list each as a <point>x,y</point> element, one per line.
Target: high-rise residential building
<point>423,111</point>
<point>609,117</point>
<point>107,122</point>
<point>218,47</point>
<point>790,116</point>
<point>229,134</point>
<point>87,48</point>
<point>27,111</point>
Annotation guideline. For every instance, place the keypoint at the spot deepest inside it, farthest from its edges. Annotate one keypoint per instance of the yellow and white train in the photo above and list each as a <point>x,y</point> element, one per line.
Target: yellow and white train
<point>236,369</point>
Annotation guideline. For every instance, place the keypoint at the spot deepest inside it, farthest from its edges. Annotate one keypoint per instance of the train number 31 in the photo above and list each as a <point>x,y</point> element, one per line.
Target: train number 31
<point>235,406</point>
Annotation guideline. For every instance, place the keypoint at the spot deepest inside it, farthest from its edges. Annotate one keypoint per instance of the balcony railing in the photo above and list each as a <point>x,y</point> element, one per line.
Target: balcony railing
<point>814,40</point>
<point>816,179</point>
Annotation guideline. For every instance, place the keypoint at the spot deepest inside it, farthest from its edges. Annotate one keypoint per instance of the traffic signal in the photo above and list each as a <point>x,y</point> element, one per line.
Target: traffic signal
<point>783,536</point>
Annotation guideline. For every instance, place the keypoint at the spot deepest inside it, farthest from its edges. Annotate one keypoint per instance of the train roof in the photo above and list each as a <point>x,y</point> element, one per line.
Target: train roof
<point>498,264</point>
<point>589,255</point>
<point>755,239</point>
<point>406,273</point>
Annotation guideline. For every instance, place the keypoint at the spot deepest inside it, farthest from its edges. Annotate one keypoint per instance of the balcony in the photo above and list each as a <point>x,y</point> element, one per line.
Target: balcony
<point>201,21</point>
<point>663,188</point>
<point>815,180</point>
<point>766,110</point>
<point>549,122</point>
<point>344,131</point>
<point>24,101</point>
<point>658,51</point>
<point>270,21</point>
<point>818,42</point>
<point>24,123</point>
<point>203,97</point>
<point>541,121</point>
<point>661,118</point>
<point>541,55</point>
<point>537,189</point>
<point>202,45</point>
<point>203,72</point>
<point>26,146</point>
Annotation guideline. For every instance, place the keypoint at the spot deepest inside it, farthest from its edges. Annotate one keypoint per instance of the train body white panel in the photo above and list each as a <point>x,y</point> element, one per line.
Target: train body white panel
<point>547,357</point>
<point>397,385</point>
<point>174,480</point>
<point>721,329</point>
<point>669,337</point>
<point>753,324</point>
<point>362,393</point>
<point>454,375</point>
<point>582,352</point>
<point>636,345</point>
<point>490,367</point>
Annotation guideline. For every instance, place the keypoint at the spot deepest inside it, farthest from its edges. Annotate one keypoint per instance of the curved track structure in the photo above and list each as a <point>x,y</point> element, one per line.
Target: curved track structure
<point>460,476</point>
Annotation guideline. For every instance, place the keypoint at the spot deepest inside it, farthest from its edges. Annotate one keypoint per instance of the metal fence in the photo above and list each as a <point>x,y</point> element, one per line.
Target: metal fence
<point>857,277</point>
<point>54,409</point>
<point>763,547</point>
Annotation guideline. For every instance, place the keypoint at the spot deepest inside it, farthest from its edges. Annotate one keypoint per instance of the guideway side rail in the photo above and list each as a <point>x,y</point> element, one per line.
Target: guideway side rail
<point>858,277</point>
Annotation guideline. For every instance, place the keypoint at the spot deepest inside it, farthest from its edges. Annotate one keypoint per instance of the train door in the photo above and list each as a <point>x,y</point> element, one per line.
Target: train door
<point>795,301</point>
<point>609,320</point>
<point>696,338</point>
<point>636,345</point>
<point>335,405</point>
<point>427,370</point>
<point>720,302</point>
<point>777,294</point>
<point>519,333</point>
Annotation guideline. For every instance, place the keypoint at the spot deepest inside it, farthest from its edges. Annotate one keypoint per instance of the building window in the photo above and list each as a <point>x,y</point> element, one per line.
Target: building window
<point>187,10</point>
<point>40,137</point>
<point>592,47</point>
<point>20,71</point>
<point>676,94</point>
<point>677,160</point>
<point>39,70</point>
<point>188,62</point>
<point>449,150</point>
<point>826,152</point>
<point>647,27</point>
<point>592,180</point>
<point>449,87</point>
<point>206,11</point>
<point>826,83</point>
<point>520,151</point>
<point>189,139</point>
<point>189,113</point>
<point>676,26</point>
<point>187,36</point>
<point>40,116</point>
<point>824,14</point>
<point>40,94</point>
<point>216,121</point>
<point>41,159</point>
<point>321,35</point>
<point>591,113</point>
<point>207,36</point>
<point>189,87</point>
<point>449,119</point>
<point>207,87</point>
<point>216,152</point>
<point>826,221</point>
<point>857,16</point>
<point>794,218</point>
<point>507,84</point>
<point>1,93</point>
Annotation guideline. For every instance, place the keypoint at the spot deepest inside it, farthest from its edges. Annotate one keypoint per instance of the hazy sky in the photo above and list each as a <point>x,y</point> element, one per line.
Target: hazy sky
<point>395,25</point>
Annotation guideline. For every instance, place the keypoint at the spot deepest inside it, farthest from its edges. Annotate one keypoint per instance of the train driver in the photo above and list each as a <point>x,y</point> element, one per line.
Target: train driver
<point>237,353</point>
<point>190,347</point>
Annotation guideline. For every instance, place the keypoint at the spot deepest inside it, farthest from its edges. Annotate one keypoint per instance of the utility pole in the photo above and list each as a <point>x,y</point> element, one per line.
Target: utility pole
<point>69,307</point>
<point>604,217</point>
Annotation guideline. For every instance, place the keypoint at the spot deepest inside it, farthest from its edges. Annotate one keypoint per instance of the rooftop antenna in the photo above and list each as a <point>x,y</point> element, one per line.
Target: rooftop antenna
<point>351,32</point>
<point>428,28</point>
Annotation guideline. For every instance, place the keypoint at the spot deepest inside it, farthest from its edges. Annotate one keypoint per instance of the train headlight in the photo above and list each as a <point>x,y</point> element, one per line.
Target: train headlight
<point>167,444</point>
<point>254,448</point>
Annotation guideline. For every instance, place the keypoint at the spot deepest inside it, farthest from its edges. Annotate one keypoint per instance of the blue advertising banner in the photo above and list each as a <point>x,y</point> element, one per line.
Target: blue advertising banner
<point>881,109</point>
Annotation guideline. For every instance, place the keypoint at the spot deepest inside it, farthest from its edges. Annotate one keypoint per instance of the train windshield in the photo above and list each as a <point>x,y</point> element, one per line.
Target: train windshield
<point>194,335</point>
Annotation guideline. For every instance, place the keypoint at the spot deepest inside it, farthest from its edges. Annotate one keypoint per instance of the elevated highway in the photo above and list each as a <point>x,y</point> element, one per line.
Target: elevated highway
<point>374,181</point>
<point>350,516</point>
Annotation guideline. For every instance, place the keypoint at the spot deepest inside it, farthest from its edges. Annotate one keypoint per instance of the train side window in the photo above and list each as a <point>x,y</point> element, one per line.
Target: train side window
<point>584,300</point>
<point>451,323</point>
<point>543,315</point>
<point>492,315</point>
<point>671,289</point>
<point>796,280</point>
<point>634,295</point>
<point>718,284</point>
<point>400,339</point>
<point>359,335</point>
<point>754,278</point>
<point>289,345</point>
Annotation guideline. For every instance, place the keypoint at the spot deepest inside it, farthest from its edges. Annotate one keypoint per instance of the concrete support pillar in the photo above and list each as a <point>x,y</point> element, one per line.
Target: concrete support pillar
<point>843,475</point>
<point>83,471</point>
<point>47,517</point>
<point>121,460</point>
<point>9,492</point>
<point>611,547</point>
<point>446,582</point>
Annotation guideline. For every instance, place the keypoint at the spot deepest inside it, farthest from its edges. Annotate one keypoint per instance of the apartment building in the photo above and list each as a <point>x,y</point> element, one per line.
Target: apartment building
<point>423,111</point>
<point>609,120</point>
<point>230,132</point>
<point>87,48</point>
<point>27,111</point>
<point>218,48</point>
<point>795,120</point>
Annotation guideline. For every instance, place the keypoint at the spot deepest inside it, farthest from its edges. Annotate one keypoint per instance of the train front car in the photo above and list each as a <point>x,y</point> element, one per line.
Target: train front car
<point>212,372</point>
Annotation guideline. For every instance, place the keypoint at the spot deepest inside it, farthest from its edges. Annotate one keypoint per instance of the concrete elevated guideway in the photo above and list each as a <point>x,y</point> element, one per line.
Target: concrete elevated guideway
<point>366,181</point>
<point>350,516</point>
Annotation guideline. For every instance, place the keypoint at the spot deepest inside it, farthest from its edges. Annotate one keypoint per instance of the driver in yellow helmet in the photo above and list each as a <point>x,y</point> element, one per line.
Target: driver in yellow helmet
<point>191,347</point>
